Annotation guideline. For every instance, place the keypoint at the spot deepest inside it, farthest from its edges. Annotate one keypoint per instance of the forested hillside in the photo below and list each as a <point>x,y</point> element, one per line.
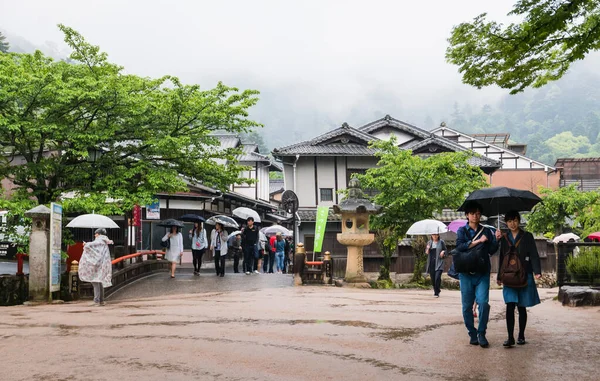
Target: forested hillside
<point>562,119</point>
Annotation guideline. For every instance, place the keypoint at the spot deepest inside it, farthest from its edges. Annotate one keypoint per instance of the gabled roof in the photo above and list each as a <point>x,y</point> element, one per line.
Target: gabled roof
<point>227,140</point>
<point>344,140</point>
<point>475,160</point>
<point>275,186</point>
<point>388,121</point>
<point>472,138</point>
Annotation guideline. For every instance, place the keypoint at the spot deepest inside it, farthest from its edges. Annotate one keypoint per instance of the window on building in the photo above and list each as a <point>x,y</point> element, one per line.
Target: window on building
<point>326,194</point>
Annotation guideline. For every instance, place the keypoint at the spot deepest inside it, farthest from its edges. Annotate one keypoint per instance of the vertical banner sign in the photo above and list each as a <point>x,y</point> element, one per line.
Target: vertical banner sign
<point>322,213</point>
<point>153,211</point>
<point>55,246</point>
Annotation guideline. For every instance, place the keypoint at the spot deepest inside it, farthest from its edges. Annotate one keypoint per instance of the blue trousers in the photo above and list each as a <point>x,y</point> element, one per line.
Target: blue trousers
<point>475,288</point>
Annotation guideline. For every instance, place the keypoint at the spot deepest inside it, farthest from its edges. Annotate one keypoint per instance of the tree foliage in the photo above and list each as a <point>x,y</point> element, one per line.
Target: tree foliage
<point>87,129</point>
<point>550,216</point>
<point>552,35</point>
<point>4,45</point>
<point>411,188</point>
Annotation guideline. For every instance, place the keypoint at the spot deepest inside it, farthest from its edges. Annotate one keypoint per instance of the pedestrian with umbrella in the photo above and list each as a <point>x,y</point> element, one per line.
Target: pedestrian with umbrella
<point>174,248</point>
<point>435,249</point>
<point>519,261</point>
<point>474,245</point>
<point>198,237</point>
<point>218,245</point>
<point>95,265</point>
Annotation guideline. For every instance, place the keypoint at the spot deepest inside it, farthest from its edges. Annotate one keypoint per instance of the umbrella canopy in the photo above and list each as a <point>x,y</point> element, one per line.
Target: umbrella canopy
<point>454,225</point>
<point>226,221</point>
<point>594,236</point>
<point>244,213</point>
<point>171,222</point>
<point>425,227</point>
<point>234,234</point>
<point>272,230</point>
<point>191,218</point>
<point>92,221</point>
<point>566,237</point>
<point>499,200</point>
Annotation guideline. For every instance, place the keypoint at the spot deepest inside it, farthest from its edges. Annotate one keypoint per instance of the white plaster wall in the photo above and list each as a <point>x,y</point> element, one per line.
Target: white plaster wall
<point>326,178</point>
<point>401,137</point>
<point>185,204</point>
<point>305,170</point>
<point>361,162</point>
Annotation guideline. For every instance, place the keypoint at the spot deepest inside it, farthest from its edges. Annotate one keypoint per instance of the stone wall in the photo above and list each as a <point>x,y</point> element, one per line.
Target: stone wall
<point>14,289</point>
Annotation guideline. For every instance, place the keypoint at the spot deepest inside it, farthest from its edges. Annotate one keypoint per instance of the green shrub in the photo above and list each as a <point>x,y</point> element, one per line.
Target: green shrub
<point>585,267</point>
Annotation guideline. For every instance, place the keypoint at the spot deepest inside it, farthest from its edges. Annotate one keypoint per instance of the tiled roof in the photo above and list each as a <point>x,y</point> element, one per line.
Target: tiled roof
<point>275,185</point>
<point>227,140</point>
<point>477,160</point>
<point>313,147</point>
<point>311,215</point>
<point>449,215</point>
<point>388,121</point>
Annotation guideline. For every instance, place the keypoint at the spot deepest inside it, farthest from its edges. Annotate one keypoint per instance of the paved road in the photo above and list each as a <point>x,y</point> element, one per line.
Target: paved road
<point>259,328</point>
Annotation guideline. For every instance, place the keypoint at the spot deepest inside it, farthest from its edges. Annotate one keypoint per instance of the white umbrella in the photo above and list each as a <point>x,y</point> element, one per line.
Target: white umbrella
<point>92,221</point>
<point>244,213</point>
<point>272,230</point>
<point>566,237</point>
<point>226,221</point>
<point>425,227</point>
<point>234,234</point>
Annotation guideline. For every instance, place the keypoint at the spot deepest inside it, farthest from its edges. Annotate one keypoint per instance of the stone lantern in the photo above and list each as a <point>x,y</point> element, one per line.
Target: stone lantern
<point>39,253</point>
<point>355,211</point>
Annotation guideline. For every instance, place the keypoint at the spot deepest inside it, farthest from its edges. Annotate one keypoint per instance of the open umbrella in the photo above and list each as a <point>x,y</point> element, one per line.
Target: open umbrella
<point>226,221</point>
<point>594,236</point>
<point>273,230</point>
<point>244,213</point>
<point>425,227</point>
<point>171,222</point>
<point>566,237</point>
<point>234,234</point>
<point>454,225</point>
<point>92,221</point>
<point>191,218</point>
<point>499,200</point>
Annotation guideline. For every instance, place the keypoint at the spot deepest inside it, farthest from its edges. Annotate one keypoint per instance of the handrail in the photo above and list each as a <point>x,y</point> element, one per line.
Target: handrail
<point>314,263</point>
<point>138,254</point>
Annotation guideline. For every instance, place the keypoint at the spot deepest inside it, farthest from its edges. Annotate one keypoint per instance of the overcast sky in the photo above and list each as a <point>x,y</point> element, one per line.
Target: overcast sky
<point>317,63</point>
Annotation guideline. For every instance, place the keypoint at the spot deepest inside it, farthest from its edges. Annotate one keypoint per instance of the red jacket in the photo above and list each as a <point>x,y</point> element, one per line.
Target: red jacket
<point>272,243</point>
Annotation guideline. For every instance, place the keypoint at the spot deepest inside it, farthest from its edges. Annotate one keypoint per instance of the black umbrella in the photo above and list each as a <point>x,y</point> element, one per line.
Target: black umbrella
<point>171,222</point>
<point>191,218</point>
<point>500,200</point>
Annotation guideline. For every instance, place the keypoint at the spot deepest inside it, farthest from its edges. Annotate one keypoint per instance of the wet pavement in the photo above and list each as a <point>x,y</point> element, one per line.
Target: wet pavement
<point>260,328</point>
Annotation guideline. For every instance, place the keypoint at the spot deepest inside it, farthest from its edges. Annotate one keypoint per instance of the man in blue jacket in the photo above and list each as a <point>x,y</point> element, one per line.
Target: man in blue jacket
<point>475,287</point>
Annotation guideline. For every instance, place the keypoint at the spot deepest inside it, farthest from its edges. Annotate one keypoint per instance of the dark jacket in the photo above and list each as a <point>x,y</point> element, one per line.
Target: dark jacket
<point>249,236</point>
<point>439,262</point>
<point>527,250</point>
<point>465,235</point>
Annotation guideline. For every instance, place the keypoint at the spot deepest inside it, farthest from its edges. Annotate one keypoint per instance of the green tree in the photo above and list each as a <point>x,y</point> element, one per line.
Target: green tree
<point>552,35</point>
<point>89,130</point>
<point>411,188</point>
<point>4,45</point>
<point>550,215</point>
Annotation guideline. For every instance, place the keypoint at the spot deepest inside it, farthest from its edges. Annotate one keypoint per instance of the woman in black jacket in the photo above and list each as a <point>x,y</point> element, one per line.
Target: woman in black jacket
<point>530,260</point>
<point>436,252</point>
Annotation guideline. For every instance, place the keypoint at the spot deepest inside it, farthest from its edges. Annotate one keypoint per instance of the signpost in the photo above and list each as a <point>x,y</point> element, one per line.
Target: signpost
<point>56,212</point>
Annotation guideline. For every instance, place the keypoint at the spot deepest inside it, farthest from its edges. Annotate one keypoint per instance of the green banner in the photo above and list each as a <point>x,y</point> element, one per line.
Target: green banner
<point>322,213</point>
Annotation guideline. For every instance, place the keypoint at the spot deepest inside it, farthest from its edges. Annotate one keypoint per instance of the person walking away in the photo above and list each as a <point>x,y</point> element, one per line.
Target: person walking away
<point>175,250</point>
<point>235,246</point>
<point>218,246</point>
<point>249,240</point>
<point>522,297</point>
<point>475,287</point>
<point>289,253</point>
<point>279,252</point>
<point>436,252</point>
<point>199,245</point>
<point>95,265</point>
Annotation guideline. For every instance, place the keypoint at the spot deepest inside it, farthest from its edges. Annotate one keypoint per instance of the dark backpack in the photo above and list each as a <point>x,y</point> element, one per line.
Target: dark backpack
<point>512,271</point>
<point>471,260</point>
<point>166,244</point>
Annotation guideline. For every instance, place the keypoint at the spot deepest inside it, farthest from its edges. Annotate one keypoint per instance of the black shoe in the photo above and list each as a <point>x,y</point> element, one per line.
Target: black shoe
<point>473,340</point>
<point>521,341</point>
<point>483,343</point>
<point>509,343</point>
<point>222,275</point>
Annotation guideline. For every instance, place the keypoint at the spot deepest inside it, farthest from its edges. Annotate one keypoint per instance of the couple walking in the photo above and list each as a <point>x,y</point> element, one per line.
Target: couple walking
<point>475,286</point>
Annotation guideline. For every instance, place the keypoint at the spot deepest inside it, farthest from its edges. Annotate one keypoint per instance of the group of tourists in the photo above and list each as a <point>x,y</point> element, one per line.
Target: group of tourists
<point>519,264</point>
<point>250,245</point>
